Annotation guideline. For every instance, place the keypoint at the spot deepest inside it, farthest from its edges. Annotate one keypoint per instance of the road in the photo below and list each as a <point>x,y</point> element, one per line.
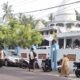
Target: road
<point>13,73</point>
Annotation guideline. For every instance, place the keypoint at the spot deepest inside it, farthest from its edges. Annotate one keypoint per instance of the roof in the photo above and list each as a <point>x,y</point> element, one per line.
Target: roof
<point>40,25</point>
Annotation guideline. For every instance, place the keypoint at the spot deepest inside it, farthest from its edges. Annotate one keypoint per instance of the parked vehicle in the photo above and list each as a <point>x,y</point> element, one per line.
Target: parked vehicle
<point>24,63</point>
<point>46,65</point>
<point>59,65</point>
<point>77,69</point>
<point>11,58</point>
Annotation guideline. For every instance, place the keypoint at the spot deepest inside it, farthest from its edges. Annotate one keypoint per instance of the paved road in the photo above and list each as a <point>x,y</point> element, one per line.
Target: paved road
<point>10,73</point>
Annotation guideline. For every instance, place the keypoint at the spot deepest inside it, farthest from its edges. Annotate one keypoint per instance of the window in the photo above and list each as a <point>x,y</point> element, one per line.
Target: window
<point>68,43</point>
<point>47,32</point>
<point>42,56</point>
<point>78,25</point>
<point>51,32</point>
<point>61,43</point>
<point>76,43</point>
<point>72,57</point>
<point>69,25</point>
<point>24,55</point>
<point>59,24</point>
<point>51,24</point>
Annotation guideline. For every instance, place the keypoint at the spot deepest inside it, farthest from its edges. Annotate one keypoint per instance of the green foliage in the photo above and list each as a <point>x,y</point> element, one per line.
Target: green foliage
<point>7,11</point>
<point>18,31</point>
<point>36,37</point>
<point>15,34</point>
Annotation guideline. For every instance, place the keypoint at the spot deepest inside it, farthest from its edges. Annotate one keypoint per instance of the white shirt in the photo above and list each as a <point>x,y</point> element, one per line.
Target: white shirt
<point>1,54</point>
<point>31,54</point>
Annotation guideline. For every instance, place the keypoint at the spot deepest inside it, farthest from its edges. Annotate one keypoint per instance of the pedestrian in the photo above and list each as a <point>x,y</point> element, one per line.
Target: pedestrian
<point>1,57</point>
<point>32,57</point>
<point>65,66</point>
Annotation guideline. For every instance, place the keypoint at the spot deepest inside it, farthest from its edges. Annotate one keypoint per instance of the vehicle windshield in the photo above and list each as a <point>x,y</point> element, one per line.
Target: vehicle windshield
<point>11,53</point>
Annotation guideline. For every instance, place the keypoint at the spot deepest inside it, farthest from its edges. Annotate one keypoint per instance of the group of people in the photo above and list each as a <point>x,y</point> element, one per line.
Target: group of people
<point>64,69</point>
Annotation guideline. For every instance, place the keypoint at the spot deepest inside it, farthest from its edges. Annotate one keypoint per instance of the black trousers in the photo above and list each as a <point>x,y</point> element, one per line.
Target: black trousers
<point>31,64</point>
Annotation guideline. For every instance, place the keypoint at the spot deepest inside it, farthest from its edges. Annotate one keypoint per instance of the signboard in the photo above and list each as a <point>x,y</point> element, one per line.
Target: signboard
<point>24,55</point>
<point>72,57</point>
<point>42,56</point>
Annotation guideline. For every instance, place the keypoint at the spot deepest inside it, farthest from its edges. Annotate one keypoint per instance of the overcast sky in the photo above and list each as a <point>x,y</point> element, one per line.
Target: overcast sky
<point>30,5</point>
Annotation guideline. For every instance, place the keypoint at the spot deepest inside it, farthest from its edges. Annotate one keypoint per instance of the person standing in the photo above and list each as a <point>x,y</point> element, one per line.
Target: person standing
<point>65,66</point>
<point>1,57</point>
<point>32,60</point>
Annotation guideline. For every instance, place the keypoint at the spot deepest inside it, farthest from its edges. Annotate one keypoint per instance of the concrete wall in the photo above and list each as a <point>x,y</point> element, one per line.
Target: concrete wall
<point>76,52</point>
<point>44,53</point>
<point>41,54</point>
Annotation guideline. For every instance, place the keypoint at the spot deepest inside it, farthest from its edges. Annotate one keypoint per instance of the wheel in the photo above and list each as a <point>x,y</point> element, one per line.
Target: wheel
<point>44,69</point>
<point>6,63</point>
<point>77,73</point>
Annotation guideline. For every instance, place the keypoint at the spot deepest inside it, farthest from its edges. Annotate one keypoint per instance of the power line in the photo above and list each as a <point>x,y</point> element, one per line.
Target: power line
<point>76,2</point>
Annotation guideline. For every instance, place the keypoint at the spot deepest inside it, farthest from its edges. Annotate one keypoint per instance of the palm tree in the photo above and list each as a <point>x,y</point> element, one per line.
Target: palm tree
<point>77,15</point>
<point>51,17</point>
<point>25,20</point>
<point>7,11</point>
<point>32,21</point>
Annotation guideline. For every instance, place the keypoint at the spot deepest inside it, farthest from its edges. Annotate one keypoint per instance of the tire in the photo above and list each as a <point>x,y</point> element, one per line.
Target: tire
<point>44,70</point>
<point>77,73</point>
<point>23,64</point>
<point>6,63</point>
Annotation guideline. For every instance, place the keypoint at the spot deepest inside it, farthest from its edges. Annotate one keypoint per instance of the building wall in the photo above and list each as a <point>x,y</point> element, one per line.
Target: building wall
<point>73,54</point>
<point>42,53</point>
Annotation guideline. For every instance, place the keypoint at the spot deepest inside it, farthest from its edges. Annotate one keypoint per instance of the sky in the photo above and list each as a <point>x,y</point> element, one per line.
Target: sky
<point>31,5</point>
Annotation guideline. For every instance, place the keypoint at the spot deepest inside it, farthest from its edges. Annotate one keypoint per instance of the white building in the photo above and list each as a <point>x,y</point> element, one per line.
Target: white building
<point>67,29</point>
<point>65,25</point>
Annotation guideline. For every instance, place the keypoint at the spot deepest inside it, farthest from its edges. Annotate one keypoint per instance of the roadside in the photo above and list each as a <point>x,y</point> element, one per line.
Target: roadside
<point>39,71</point>
<point>71,76</point>
<point>55,73</point>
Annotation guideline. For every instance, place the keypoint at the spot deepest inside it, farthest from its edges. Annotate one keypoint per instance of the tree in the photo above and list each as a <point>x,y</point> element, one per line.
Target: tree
<point>27,20</point>
<point>23,19</point>
<point>77,15</point>
<point>18,32</point>
<point>51,17</point>
<point>36,37</point>
<point>7,11</point>
<point>23,36</point>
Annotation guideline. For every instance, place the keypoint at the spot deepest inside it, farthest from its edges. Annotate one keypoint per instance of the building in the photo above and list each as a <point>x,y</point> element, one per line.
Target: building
<point>65,26</point>
<point>67,29</point>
